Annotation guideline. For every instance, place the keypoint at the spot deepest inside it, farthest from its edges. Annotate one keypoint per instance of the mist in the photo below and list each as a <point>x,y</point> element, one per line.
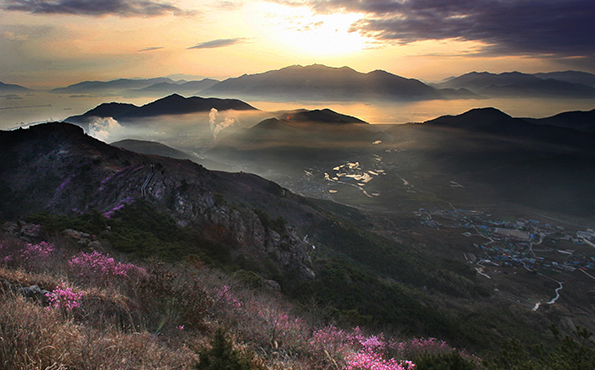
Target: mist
<point>41,106</point>
<point>188,132</point>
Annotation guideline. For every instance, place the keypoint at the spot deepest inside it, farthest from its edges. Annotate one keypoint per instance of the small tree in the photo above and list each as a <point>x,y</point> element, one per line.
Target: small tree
<point>222,356</point>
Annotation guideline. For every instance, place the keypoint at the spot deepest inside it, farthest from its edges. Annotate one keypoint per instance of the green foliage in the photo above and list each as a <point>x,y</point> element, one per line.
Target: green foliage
<point>92,222</point>
<point>512,355</point>
<point>268,222</point>
<point>447,361</point>
<point>343,287</point>
<point>222,356</point>
<point>575,352</point>
<point>250,279</point>
<point>380,255</point>
<point>140,229</point>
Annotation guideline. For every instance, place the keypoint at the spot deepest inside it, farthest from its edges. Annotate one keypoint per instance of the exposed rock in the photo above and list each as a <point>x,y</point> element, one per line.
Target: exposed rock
<point>32,292</point>
<point>272,285</point>
<point>68,172</point>
<point>22,230</point>
<point>83,240</point>
<point>36,293</point>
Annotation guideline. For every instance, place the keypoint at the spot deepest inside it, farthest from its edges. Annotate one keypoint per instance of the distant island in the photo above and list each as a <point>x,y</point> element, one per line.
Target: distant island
<point>173,104</point>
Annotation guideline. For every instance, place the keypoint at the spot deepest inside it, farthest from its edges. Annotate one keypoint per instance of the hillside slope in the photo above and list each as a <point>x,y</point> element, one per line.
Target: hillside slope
<point>56,168</point>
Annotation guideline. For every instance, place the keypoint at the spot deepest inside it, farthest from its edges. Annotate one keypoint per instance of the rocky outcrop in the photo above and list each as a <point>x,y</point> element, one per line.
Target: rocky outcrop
<point>33,292</point>
<point>23,231</point>
<point>56,168</point>
<point>83,240</point>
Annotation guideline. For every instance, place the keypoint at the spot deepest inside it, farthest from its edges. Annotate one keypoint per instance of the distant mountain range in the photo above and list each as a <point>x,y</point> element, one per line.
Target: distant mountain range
<point>173,104</point>
<point>159,86</point>
<point>498,157</point>
<point>112,87</point>
<point>10,88</point>
<point>575,77</point>
<point>318,82</point>
<point>534,162</point>
<point>569,84</point>
<point>492,121</point>
<point>178,87</point>
<point>581,121</point>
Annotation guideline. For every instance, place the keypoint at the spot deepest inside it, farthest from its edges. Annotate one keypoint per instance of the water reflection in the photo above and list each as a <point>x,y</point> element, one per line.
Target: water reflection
<point>403,112</point>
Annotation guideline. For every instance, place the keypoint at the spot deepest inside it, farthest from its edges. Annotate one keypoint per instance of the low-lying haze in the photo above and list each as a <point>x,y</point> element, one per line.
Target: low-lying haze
<point>41,106</point>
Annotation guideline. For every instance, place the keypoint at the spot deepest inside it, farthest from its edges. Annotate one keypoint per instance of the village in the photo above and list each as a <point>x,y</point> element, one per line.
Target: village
<point>528,243</point>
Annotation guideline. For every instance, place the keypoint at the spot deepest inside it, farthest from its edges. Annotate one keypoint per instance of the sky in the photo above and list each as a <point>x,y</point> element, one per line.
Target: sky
<point>51,43</point>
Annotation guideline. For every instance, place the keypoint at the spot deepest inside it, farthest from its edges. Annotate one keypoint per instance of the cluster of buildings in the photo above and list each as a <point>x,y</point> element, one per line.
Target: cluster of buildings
<point>520,243</point>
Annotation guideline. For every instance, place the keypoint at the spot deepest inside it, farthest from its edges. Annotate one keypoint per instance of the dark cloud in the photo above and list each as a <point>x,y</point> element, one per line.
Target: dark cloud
<point>512,27</point>
<point>219,43</point>
<point>123,8</point>
<point>150,49</point>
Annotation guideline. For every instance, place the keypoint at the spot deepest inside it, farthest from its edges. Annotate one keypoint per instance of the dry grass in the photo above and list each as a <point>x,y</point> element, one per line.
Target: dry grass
<point>160,319</point>
<point>34,337</point>
<point>20,277</point>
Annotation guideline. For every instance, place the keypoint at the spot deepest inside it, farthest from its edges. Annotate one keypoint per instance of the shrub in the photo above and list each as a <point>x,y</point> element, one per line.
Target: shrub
<point>169,299</point>
<point>354,350</point>
<point>32,257</point>
<point>64,298</point>
<point>446,361</point>
<point>222,356</point>
<point>99,269</point>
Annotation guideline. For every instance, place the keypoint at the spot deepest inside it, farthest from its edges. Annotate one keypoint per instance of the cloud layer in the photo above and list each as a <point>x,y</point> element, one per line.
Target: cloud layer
<point>122,8</point>
<point>512,27</point>
<point>150,48</point>
<point>219,43</point>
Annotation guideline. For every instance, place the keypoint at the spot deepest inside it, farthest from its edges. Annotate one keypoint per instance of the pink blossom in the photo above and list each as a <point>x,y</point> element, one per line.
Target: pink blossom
<point>225,295</point>
<point>63,297</point>
<point>99,267</point>
<point>37,251</point>
<point>370,360</point>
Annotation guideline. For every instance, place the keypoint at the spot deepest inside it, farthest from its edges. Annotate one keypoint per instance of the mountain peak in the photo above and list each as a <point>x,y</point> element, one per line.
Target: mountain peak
<point>319,115</point>
<point>472,119</point>
<point>486,112</point>
<point>171,104</point>
<point>320,82</point>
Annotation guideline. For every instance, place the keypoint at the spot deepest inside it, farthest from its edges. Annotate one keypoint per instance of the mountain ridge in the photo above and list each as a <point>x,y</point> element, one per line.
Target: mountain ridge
<point>172,104</point>
<point>516,84</point>
<point>318,82</point>
<point>12,88</point>
<point>56,168</point>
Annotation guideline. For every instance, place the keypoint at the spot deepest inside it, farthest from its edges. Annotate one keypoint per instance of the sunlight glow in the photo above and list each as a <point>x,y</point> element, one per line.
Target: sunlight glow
<point>299,30</point>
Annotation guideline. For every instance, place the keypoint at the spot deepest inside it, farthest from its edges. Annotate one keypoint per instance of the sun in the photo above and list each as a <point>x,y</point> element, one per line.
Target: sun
<point>301,31</point>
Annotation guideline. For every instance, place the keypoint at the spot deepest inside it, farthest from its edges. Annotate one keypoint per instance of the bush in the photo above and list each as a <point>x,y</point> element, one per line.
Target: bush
<point>222,356</point>
<point>446,361</point>
<point>172,299</point>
